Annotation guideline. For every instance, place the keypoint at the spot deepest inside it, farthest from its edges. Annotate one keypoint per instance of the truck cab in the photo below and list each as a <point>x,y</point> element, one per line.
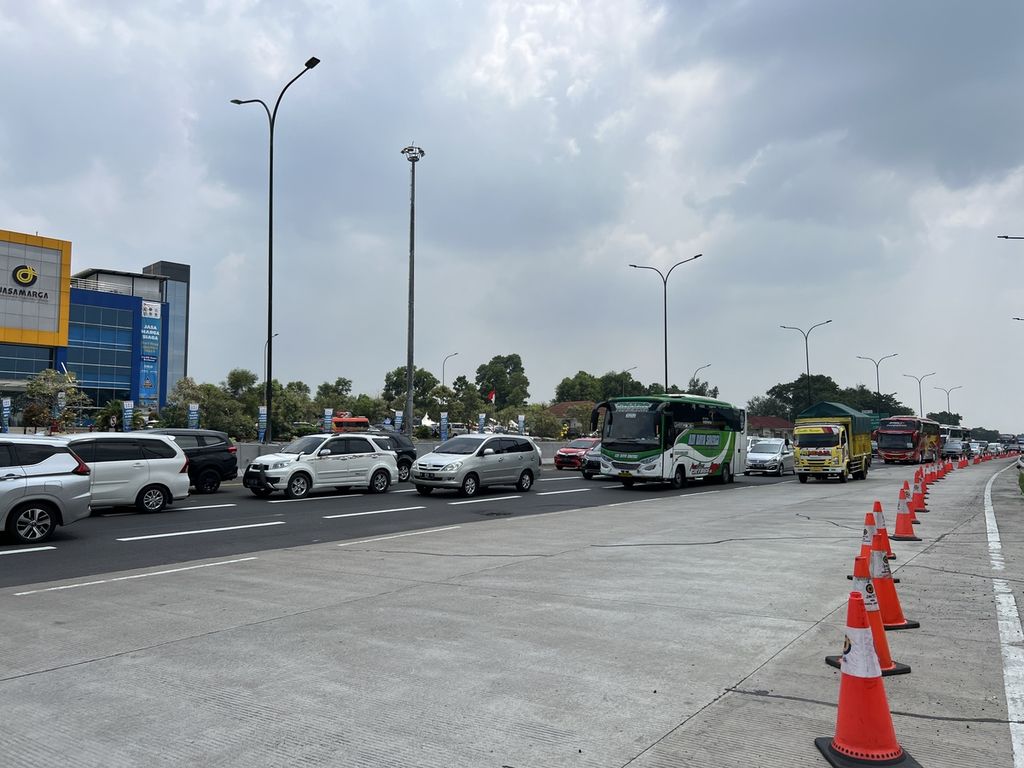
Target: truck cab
<point>831,440</point>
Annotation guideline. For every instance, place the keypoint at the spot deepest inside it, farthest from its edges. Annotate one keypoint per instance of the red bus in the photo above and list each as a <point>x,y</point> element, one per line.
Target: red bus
<point>348,423</point>
<point>908,439</point>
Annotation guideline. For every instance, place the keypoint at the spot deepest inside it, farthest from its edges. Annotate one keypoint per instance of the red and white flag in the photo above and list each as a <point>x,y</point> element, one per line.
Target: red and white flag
<point>490,396</point>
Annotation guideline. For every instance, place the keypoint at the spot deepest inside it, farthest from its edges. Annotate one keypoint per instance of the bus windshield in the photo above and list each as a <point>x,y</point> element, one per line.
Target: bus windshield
<point>629,430</point>
<point>888,441</point>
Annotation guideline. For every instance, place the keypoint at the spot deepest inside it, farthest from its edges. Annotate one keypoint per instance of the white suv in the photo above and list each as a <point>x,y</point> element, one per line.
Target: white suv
<point>317,462</point>
<point>133,468</point>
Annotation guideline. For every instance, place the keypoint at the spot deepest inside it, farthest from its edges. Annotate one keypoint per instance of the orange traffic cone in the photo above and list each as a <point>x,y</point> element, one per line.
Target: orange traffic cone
<point>885,589</point>
<point>862,583</point>
<point>918,499</point>
<point>870,529</point>
<point>909,504</point>
<point>904,526</point>
<point>864,730</point>
<point>881,528</point>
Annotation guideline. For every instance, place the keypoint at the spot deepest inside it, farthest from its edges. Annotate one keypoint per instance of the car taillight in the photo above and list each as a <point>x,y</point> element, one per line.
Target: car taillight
<point>81,469</point>
<point>184,467</point>
<point>232,449</point>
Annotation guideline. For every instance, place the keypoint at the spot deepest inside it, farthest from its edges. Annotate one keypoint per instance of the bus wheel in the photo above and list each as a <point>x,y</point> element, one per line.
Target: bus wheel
<point>679,478</point>
<point>727,476</point>
<point>627,483</point>
<point>843,474</point>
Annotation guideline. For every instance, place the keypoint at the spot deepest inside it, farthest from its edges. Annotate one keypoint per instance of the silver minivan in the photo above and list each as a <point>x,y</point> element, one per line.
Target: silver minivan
<point>468,463</point>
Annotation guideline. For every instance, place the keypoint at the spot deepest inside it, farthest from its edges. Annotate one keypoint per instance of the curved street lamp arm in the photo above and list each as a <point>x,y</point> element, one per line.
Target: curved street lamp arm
<point>663,277</point>
<point>281,95</point>
<point>680,263</point>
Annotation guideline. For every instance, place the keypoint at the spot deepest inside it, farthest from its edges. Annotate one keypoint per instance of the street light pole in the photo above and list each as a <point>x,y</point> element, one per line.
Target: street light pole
<point>266,344</point>
<point>664,281</point>
<point>878,387</point>
<point>807,351</point>
<point>694,377</point>
<point>624,380</point>
<point>1010,237</point>
<point>920,399</point>
<point>453,354</point>
<point>413,154</point>
<point>272,118</point>
<point>947,391</point>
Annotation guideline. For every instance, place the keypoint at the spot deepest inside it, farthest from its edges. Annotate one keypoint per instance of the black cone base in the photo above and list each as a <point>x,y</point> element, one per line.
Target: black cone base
<point>895,579</point>
<point>901,537</point>
<point>895,669</point>
<point>837,760</point>
<point>907,624</point>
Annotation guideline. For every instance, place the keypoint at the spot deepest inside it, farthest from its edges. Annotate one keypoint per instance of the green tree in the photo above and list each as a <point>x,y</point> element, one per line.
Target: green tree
<point>467,405</point>
<point>702,388</point>
<point>582,386</point>
<point>762,405</point>
<point>423,385</point>
<point>110,418</point>
<point>618,384</point>
<point>945,417</point>
<point>53,398</point>
<point>504,375</point>
<point>335,395</point>
<point>373,408</point>
<point>292,404</point>
<point>217,409</point>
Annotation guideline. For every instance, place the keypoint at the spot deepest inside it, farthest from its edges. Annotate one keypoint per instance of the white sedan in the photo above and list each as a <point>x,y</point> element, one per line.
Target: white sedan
<point>770,455</point>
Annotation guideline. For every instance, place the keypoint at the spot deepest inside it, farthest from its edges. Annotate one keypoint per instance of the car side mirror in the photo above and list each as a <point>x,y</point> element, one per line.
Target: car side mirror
<point>324,452</point>
<point>488,452</point>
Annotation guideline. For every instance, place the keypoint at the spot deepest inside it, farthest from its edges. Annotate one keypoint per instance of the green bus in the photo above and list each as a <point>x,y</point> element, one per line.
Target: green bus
<point>671,439</point>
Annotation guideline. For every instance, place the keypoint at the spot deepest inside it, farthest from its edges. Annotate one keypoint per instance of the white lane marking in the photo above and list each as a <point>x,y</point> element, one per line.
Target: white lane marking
<point>317,498</point>
<point>203,530</point>
<point>403,490</point>
<point>134,576</point>
<point>481,501</point>
<point>695,493</point>
<point>399,536</point>
<point>212,506</point>
<point>1011,636</point>
<point>374,512</point>
<point>25,551</point>
<point>556,479</point>
<point>571,490</point>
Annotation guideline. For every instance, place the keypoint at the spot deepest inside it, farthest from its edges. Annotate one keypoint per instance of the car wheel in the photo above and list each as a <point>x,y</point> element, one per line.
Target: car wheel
<point>31,523</point>
<point>424,490</point>
<point>679,478</point>
<point>525,481</point>
<point>404,469</point>
<point>588,475</point>
<point>627,483</point>
<point>782,470</point>
<point>802,478</point>
<point>208,481</point>
<point>261,493</point>
<point>470,485</point>
<point>380,481</point>
<point>298,486</point>
<point>746,472</point>
<point>152,498</point>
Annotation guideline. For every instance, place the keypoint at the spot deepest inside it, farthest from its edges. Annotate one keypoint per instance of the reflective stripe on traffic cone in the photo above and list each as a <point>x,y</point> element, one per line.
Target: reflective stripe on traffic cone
<point>905,491</point>
<point>862,583</point>
<point>904,526</point>
<point>885,589</point>
<point>870,529</point>
<point>864,730</point>
<point>882,528</point>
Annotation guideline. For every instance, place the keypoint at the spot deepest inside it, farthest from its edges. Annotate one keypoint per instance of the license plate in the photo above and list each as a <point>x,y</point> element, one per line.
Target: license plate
<point>430,475</point>
<point>625,474</point>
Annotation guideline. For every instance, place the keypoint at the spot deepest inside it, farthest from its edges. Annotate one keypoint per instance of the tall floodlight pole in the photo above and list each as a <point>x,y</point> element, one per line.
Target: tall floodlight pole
<point>453,354</point>
<point>920,398</point>
<point>624,379</point>
<point>1010,237</point>
<point>272,117</point>
<point>878,386</point>
<point>807,351</point>
<point>694,377</point>
<point>947,391</point>
<point>265,345</point>
<point>664,281</point>
<point>413,154</point>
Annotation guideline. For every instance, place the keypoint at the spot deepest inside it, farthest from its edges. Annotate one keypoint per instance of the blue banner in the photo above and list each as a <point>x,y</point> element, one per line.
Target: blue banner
<point>6,414</point>
<point>480,422</point>
<point>328,419</point>
<point>522,424</point>
<point>193,415</point>
<point>444,426</point>
<point>129,413</point>
<point>149,359</point>
<point>262,423</point>
<point>398,421</point>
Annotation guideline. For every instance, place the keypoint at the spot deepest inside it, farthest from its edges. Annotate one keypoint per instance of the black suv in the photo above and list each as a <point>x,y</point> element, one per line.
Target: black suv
<point>212,457</point>
<point>404,449</point>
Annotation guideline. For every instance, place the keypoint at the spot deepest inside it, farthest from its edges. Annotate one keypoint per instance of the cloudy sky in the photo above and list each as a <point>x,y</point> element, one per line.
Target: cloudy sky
<point>831,160</point>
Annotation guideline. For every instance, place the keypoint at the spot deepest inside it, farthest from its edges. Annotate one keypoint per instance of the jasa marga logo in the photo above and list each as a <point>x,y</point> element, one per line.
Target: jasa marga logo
<point>24,277</point>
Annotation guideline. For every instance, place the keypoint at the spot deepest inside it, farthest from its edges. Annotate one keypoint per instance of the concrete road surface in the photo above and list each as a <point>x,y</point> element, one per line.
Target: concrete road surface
<point>657,630</point>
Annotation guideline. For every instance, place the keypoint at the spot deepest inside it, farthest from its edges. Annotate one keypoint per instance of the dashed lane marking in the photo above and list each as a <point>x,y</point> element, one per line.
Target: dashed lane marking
<point>133,576</point>
<point>203,530</point>
<point>212,506</point>
<point>399,536</point>
<point>318,498</point>
<point>481,501</point>
<point>570,490</point>
<point>25,550</point>
<point>374,512</point>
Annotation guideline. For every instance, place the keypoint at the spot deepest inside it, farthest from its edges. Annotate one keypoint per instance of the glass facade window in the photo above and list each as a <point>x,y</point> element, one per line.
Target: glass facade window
<point>100,351</point>
<point>18,361</point>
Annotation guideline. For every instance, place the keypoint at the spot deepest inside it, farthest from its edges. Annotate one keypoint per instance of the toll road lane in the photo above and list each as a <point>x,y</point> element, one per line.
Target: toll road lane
<point>233,522</point>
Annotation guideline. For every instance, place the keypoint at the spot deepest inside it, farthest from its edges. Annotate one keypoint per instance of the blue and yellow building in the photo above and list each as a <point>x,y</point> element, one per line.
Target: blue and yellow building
<point>123,335</point>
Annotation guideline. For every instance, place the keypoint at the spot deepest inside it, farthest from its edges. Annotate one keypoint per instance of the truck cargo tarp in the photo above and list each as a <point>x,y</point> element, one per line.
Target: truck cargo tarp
<point>861,422</point>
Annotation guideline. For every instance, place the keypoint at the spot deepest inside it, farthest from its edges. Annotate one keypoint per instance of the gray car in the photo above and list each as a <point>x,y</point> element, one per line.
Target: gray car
<point>43,484</point>
<point>770,456</point>
<point>468,463</point>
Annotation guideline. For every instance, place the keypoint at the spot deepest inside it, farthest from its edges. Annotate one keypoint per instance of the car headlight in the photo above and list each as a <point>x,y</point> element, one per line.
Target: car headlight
<point>455,466</point>
<point>279,464</point>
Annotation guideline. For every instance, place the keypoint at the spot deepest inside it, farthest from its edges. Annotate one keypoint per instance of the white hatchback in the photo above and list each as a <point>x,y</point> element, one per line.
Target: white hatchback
<point>144,470</point>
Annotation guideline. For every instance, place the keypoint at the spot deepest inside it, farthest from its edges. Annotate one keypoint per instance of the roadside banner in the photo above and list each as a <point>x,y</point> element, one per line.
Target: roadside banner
<point>58,407</point>
<point>129,412</point>
<point>328,419</point>
<point>6,414</point>
<point>398,421</point>
<point>261,424</point>
<point>480,422</point>
<point>522,424</point>
<point>444,426</point>
<point>193,415</point>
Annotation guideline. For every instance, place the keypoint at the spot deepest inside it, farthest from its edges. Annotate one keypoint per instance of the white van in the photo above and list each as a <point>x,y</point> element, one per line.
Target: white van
<point>141,469</point>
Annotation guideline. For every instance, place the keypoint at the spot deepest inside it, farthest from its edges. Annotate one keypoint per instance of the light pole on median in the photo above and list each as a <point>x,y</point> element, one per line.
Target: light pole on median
<point>947,391</point>
<point>269,351</point>
<point>878,386</point>
<point>266,386</point>
<point>664,281</point>
<point>453,354</point>
<point>1010,237</point>
<point>624,379</point>
<point>807,352</point>
<point>413,154</point>
<point>920,398</point>
<point>694,377</point>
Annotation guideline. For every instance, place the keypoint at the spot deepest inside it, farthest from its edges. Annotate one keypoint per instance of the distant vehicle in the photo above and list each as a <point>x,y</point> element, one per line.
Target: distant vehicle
<point>974,448</point>
<point>670,439</point>
<point>404,448</point>
<point>908,439</point>
<point>468,463</point>
<point>772,455</point>
<point>46,485</point>
<point>349,424</point>
<point>458,428</point>
<point>954,441</point>
<point>212,456</point>
<point>571,455</point>
<point>592,462</point>
<point>832,440</point>
<point>317,462</point>
<point>994,448</point>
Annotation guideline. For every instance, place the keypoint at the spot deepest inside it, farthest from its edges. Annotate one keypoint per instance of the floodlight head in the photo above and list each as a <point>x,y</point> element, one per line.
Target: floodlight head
<point>313,61</point>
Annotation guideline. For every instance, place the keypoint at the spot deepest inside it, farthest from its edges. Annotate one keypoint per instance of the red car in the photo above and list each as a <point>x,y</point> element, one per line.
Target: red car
<point>571,456</point>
